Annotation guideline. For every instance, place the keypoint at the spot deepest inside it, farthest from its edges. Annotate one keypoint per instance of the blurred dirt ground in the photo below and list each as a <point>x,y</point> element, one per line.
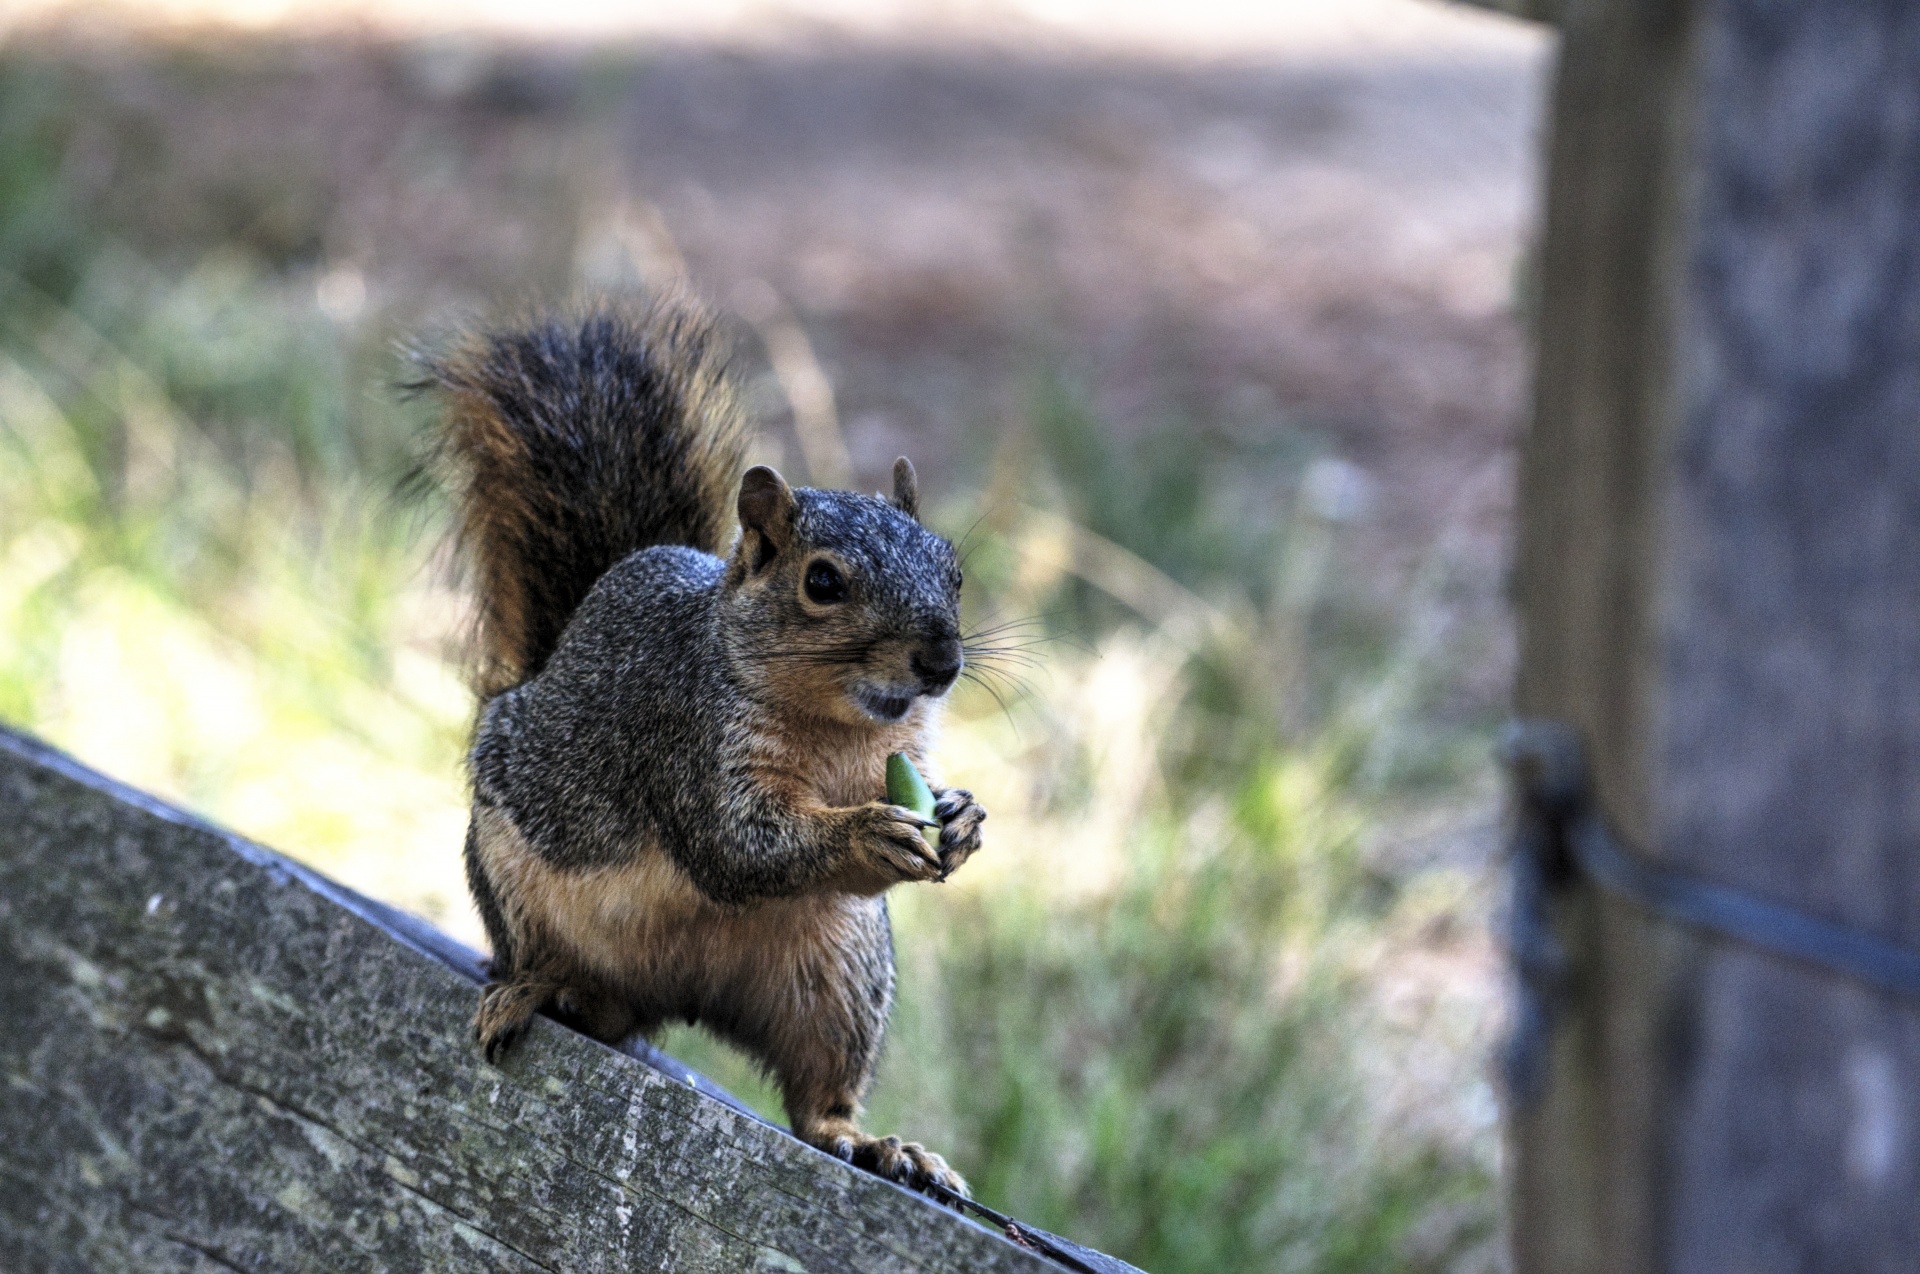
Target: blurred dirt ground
<point>1241,221</point>
<point>1287,230</point>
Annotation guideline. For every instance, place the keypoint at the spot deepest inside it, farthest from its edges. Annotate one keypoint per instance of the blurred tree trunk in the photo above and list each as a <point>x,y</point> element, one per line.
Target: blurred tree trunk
<point>1719,586</point>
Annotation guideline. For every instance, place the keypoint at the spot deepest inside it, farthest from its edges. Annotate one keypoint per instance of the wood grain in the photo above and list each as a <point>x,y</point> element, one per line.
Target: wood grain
<point>1584,1185</point>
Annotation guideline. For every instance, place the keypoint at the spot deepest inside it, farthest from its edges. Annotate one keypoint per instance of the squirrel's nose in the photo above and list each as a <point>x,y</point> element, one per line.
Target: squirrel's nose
<point>936,664</point>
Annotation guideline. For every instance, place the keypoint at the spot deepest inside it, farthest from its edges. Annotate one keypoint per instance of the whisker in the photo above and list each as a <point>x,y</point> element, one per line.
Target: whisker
<point>827,653</point>
<point>988,641</point>
<point>1025,651</point>
<point>1033,628</point>
<point>1018,687</point>
<point>962,549</point>
<point>1001,661</point>
<point>1011,680</point>
<point>1005,711</point>
<point>1026,622</point>
<point>1010,677</point>
<point>994,646</point>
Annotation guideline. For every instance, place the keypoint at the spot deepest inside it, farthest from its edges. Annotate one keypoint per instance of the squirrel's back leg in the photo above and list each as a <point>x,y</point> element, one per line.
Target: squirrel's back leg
<point>487,903</point>
<point>510,1000</point>
<point>528,974</point>
<point>822,1042</point>
<point>506,1009</point>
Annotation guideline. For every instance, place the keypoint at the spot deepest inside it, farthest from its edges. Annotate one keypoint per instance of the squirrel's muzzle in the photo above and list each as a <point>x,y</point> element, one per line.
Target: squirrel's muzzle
<point>936,663</point>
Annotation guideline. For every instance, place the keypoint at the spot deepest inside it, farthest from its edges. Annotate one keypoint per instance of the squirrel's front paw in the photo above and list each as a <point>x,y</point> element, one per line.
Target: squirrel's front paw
<point>888,848</point>
<point>960,817</point>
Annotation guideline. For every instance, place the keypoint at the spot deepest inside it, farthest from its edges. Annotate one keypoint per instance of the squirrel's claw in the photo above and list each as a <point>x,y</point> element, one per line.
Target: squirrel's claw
<point>960,818</point>
<point>894,840</point>
<point>506,1009</point>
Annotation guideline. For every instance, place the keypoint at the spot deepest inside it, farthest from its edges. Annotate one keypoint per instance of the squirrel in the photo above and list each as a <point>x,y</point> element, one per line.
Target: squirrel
<point>678,769</point>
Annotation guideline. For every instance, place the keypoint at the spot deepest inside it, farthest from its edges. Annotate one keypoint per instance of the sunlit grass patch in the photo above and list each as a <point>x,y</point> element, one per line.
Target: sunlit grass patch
<point>1181,1006</point>
<point>202,590</point>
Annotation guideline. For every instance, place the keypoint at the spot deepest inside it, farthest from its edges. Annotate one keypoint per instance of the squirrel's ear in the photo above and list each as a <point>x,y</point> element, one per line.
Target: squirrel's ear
<point>766,513</point>
<point>906,488</point>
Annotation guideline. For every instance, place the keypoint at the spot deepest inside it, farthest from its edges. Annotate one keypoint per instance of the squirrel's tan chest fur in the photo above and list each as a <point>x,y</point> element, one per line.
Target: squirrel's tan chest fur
<point>644,928</point>
<point>837,765</point>
<point>644,933</point>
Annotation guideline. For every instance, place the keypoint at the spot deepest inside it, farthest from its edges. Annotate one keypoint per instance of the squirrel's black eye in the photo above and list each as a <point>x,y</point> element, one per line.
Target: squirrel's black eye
<point>825,583</point>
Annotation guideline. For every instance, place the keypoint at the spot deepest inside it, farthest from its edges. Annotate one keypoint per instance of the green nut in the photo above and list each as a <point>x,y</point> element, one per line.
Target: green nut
<point>906,787</point>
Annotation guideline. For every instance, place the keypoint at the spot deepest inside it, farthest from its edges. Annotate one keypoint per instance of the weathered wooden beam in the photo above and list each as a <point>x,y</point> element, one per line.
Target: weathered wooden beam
<point>1719,585</point>
<point>215,1059</point>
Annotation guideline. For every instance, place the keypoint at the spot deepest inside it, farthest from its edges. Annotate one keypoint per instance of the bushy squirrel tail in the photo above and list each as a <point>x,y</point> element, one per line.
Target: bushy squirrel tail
<point>569,442</point>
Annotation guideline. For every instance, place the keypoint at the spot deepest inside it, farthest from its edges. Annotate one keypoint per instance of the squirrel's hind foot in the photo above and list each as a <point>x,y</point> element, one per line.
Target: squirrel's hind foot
<point>907,1162</point>
<point>505,1010</point>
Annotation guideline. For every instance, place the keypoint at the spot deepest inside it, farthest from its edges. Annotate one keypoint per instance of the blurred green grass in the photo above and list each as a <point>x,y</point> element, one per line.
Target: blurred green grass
<point>1166,1013</point>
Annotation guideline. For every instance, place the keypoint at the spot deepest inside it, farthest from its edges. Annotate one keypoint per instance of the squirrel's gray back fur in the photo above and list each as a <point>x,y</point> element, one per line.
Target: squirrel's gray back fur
<point>625,721</point>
